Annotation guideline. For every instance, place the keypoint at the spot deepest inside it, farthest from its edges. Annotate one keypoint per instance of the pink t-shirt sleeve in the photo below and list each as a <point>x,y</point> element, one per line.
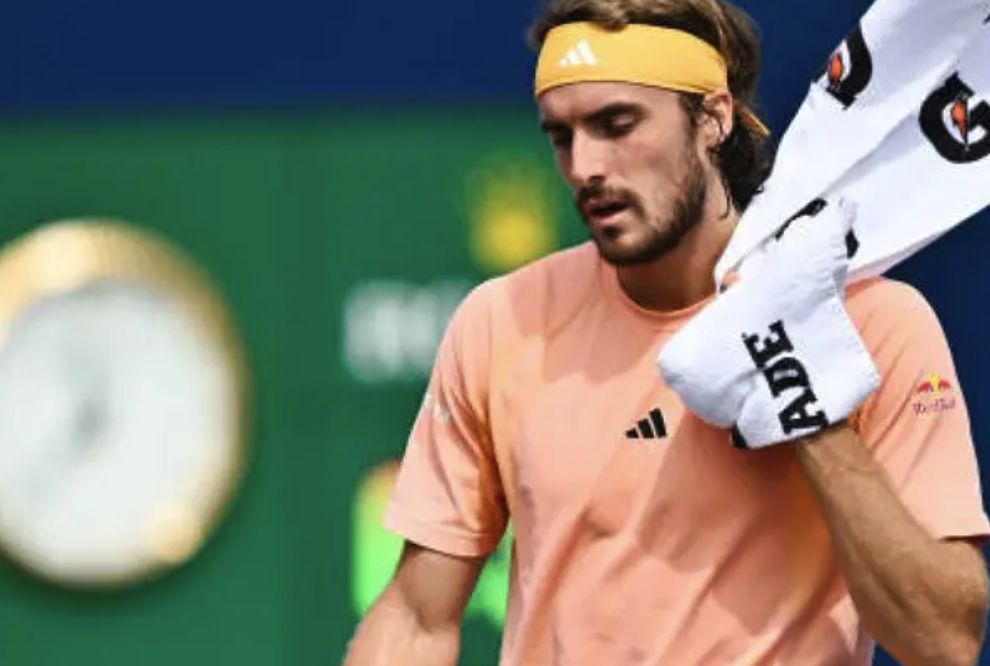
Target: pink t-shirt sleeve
<point>916,423</point>
<point>449,496</point>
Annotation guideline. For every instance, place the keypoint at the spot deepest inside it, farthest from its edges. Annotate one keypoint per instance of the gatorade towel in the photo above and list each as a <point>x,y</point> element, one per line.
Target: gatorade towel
<point>898,122</point>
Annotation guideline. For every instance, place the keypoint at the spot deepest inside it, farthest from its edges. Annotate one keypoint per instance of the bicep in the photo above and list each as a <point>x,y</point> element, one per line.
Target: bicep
<point>967,557</point>
<point>964,559</point>
<point>416,620</point>
<point>433,586</point>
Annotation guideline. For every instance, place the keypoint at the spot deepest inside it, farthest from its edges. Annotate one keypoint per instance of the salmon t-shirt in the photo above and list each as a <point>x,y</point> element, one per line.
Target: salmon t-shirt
<point>641,536</point>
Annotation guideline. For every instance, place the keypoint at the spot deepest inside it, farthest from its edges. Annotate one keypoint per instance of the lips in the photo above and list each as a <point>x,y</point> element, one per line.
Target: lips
<point>604,210</point>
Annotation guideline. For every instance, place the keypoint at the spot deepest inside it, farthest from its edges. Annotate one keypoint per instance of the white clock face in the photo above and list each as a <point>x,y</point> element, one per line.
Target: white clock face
<point>118,420</point>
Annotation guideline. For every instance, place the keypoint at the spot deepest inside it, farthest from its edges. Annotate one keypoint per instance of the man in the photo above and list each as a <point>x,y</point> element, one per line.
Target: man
<point>641,535</point>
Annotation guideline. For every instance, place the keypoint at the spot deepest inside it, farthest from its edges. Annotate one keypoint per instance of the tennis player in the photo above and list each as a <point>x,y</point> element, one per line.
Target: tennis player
<point>642,536</point>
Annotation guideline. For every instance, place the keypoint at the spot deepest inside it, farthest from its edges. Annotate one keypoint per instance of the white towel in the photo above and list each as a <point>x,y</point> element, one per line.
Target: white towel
<point>899,125</point>
<point>861,138</point>
<point>931,174</point>
<point>776,357</point>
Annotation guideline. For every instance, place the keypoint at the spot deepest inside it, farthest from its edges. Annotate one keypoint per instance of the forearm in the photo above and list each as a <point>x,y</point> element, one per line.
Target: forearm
<point>390,635</point>
<point>920,598</point>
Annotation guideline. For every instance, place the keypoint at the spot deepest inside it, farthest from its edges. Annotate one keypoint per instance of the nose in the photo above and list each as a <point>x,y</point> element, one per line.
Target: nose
<point>588,160</point>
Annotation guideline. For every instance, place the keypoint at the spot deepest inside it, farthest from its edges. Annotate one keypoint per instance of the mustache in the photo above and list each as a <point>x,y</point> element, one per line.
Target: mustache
<point>598,191</point>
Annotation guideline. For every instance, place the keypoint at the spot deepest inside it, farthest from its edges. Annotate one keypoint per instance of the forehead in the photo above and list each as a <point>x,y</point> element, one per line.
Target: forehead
<point>569,103</point>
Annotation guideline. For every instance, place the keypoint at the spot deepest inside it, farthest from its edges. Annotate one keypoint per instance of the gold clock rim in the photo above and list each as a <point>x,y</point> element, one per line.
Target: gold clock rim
<point>98,249</point>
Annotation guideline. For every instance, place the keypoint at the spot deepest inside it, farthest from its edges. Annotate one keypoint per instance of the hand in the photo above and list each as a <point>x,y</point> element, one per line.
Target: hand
<point>775,357</point>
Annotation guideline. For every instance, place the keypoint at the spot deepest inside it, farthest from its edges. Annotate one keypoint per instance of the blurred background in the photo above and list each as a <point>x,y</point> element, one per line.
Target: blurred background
<point>343,172</point>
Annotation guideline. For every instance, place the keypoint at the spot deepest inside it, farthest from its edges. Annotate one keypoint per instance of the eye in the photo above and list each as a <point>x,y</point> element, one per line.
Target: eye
<point>560,139</point>
<point>618,125</point>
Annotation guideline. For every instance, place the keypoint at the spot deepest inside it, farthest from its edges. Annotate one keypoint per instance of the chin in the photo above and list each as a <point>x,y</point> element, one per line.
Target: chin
<point>619,253</point>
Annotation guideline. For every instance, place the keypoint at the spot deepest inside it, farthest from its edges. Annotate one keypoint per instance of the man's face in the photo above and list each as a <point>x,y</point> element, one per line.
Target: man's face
<point>630,154</point>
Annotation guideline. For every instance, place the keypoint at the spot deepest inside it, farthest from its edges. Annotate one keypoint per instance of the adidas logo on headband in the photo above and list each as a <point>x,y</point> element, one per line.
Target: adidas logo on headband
<point>580,54</point>
<point>643,54</point>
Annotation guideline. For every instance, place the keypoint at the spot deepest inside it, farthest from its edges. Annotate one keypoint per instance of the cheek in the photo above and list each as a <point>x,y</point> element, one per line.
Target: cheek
<point>667,170</point>
<point>658,159</point>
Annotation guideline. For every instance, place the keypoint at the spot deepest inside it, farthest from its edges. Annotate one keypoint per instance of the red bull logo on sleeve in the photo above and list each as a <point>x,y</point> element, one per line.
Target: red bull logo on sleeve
<point>935,394</point>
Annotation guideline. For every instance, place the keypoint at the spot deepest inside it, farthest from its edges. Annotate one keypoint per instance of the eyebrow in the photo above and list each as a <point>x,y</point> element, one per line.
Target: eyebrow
<point>549,126</point>
<point>597,116</point>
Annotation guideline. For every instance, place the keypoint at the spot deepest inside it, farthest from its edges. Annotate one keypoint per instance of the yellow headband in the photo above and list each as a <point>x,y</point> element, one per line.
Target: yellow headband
<point>643,54</point>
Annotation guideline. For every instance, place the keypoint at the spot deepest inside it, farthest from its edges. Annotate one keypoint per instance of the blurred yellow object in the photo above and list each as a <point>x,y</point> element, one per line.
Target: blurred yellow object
<point>511,214</point>
<point>123,404</point>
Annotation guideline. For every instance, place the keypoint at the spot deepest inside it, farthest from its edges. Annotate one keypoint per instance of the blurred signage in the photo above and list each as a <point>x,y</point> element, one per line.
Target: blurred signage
<point>392,328</point>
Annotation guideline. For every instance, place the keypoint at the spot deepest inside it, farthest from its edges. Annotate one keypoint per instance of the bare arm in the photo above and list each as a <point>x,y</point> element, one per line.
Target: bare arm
<point>924,600</point>
<point>417,619</point>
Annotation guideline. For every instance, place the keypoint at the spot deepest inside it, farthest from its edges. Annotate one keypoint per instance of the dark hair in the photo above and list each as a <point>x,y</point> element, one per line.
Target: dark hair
<point>744,158</point>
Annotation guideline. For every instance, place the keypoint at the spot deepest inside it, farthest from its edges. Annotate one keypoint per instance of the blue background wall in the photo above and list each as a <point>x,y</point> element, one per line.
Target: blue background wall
<point>113,56</point>
<point>268,139</point>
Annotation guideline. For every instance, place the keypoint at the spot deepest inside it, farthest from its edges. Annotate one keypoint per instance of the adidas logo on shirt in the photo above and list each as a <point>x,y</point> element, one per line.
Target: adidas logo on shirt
<point>652,427</point>
<point>580,54</point>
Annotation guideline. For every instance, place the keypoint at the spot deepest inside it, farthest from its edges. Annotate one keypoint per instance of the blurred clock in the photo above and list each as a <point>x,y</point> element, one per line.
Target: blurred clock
<point>122,404</point>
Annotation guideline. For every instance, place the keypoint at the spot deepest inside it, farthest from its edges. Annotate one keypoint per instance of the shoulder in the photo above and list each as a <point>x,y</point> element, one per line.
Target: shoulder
<point>885,297</point>
<point>885,304</point>
<point>894,319</point>
<point>500,314</point>
<point>542,293</point>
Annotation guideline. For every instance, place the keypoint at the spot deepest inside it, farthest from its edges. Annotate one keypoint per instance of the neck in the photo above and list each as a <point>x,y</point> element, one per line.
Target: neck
<point>684,275</point>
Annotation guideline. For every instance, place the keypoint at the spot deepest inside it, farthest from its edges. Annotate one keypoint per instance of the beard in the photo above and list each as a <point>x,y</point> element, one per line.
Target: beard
<point>662,235</point>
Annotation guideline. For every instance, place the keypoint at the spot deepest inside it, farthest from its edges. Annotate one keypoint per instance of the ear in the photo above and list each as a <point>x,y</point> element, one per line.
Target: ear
<point>717,122</point>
